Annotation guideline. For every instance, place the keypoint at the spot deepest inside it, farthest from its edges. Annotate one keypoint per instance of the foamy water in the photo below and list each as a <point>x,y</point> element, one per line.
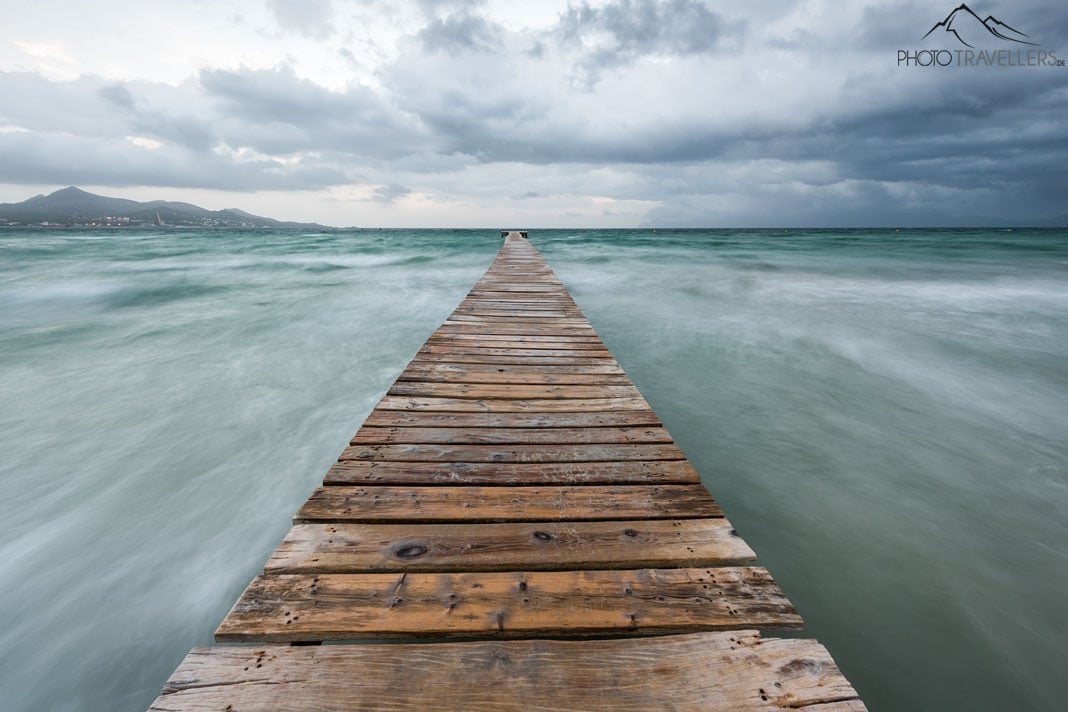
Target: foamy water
<point>882,416</point>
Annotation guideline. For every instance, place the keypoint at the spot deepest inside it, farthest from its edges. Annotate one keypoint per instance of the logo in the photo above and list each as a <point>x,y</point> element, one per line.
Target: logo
<point>964,23</point>
<point>990,43</point>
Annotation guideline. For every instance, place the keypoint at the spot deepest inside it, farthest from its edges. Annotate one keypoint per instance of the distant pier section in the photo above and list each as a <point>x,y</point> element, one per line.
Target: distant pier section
<point>515,516</point>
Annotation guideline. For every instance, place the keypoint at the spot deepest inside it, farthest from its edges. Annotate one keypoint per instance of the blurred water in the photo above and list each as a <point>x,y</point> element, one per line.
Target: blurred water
<point>882,416</point>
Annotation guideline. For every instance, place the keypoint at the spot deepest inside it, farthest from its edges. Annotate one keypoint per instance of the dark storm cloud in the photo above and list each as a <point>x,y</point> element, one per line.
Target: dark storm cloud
<point>619,32</point>
<point>289,114</point>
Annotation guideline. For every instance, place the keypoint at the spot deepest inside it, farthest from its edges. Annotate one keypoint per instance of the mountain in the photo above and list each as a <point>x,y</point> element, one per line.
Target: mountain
<point>970,29</point>
<point>73,206</point>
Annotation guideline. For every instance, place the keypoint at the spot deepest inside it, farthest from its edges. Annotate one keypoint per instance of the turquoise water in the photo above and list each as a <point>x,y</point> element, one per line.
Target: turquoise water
<point>882,415</point>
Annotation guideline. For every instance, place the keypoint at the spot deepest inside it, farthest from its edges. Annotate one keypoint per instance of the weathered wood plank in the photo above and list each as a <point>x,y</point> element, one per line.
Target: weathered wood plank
<point>543,405</point>
<point>600,366</point>
<point>497,341</point>
<point>513,453</point>
<point>541,546</point>
<point>455,357</point>
<point>370,435</point>
<point>513,314</point>
<point>506,504</point>
<point>557,303</point>
<point>455,373</point>
<point>534,473</point>
<point>534,604</point>
<point>575,419</point>
<point>513,320</point>
<point>454,327</point>
<point>697,672</point>
<point>450,349</point>
<point>448,337</point>
<point>513,391</point>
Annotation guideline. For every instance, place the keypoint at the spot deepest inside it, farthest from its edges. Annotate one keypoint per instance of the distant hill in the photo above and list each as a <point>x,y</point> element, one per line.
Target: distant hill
<point>73,206</point>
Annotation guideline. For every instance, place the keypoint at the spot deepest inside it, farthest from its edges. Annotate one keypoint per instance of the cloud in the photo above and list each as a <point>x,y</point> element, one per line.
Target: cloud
<point>618,33</point>
<point>311,18</point>
<point>458,32</point>
<point>118,95</point>
<point>275,111</point>
<point>390,193</point>
<point>61,159</point>
<point>783,113</point>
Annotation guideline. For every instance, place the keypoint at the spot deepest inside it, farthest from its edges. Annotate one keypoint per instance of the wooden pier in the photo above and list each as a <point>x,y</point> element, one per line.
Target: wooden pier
<point>516,519</point>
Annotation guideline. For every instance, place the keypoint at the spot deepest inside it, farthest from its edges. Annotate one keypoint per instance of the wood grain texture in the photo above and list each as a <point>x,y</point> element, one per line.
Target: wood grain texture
<point>315,607</point>
<point>537,473</point>
<point>370,435</point>
<point>513,453</point>
<point>539,546</point>
<point>684,673</point>
<point>574,419</point>
<point>506,504</point>
<point>513,405</point>
<point>479,391</point>
<point>520,375</point>
<point>423,370</point>
<point>454,327</point>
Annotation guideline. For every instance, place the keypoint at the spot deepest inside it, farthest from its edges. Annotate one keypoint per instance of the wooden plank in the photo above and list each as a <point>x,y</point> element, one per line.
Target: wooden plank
<point>697,672</point>
<point>540,360</point>
<point>582,338</point>
<point>512,314</point>
<point>515,391</point>
<point>599,366</point>
<point>531,473</point>
<point>506,504</point>
<point>454,327</point>
<point>515,320</point>
<point>555,303</point>
<point>370,435</point>
<point>534,604</point>
<point>543,405</point>
<point>496,341</point>
<point>449,349</point>
<point>500,454</point>
<point>575,419</point>
<point>455,373</point>
<point>542,546</point>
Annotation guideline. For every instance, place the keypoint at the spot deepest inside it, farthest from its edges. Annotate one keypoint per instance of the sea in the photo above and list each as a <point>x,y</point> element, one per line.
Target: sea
<point>882,414</point>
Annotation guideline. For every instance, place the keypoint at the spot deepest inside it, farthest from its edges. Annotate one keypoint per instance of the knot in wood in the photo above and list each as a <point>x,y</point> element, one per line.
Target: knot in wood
<point>411,551</point>
<point>543,536</point>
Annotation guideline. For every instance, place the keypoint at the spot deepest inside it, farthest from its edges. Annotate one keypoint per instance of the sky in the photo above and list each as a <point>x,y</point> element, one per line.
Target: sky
<point>469,113</point>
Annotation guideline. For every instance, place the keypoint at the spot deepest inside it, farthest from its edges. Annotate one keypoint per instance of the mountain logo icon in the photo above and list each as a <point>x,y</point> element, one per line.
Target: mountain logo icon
<point>965,25</point>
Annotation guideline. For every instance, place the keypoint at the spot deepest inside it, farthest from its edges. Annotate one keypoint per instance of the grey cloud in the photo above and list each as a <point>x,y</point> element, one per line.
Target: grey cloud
<point>64,159</point>
<point>390,193</point>
<point>118,95</point>
<point>458,32</point>
<point>619,32</point>
<point>291,114</point>
<point>311,18</point>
